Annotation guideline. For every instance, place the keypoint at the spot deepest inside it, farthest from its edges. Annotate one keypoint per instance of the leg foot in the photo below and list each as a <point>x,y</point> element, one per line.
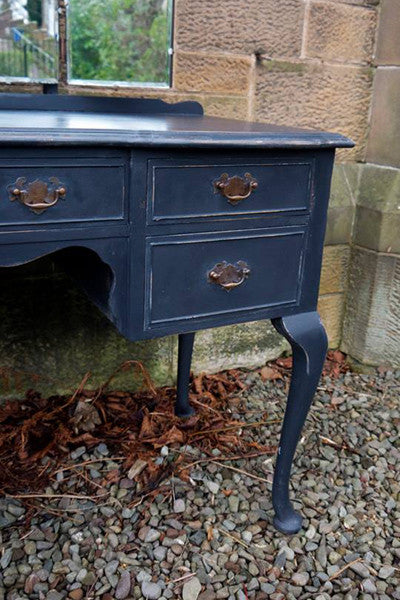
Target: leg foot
<point>308,340</point>
<point>185,349</point>
<point>292,523</point>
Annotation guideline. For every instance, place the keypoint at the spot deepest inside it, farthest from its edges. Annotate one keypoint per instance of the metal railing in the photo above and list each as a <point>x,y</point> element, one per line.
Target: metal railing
<point>21,57</point>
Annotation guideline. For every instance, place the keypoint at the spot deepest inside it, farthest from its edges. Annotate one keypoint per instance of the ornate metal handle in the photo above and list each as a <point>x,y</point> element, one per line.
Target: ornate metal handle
<point>37,195</point>
<point>229,276</point>
<point>235,188</point>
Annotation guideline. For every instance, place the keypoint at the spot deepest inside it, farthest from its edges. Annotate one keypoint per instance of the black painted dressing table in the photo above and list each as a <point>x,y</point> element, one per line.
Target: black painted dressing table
<point>173,222</point>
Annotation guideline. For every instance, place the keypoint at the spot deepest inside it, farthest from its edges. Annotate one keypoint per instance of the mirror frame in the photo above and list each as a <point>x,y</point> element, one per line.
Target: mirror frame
<point>64,63</point>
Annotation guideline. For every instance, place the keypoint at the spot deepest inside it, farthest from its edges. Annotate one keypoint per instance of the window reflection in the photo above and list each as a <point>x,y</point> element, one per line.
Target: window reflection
<point>28,39</point>
<point>119,40</point>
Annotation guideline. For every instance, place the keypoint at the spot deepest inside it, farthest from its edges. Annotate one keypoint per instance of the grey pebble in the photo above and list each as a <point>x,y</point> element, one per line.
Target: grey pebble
<point>150,590</point>
<point>107,511</point>
<point>212,486</point>
<point>78,452</point>
<point>191,589</point>
<point>124,586</point>
<point>111,568</point>
<point>300,579</point>
<point>6,558</point>
<point>280,560</point>
<point>95,474</point>
<point>229,525</point>
<point>368,586</point>
<point>253,584</point>
<point>360,569</point>
<point>289,552</point>
<point>6,519</point>
<point>310,533</point>
<point>321,553</point>
<point>143,576</point>
<point>247,536</point>
<point>15,510</point>
<point>267,588</point>
<point>386,571</point>
<point>102,449</point>
<point>113,540</point>
<point>54,595</point>
<point>310,546</point>
<point>152,536</point>
<point>179,506</point>
<point>89,579</point>
<point>233,502</point>
<point>198,537</point>
<point>30,548</point>
<point>350,521</point>
<point>160,553</point>
<point>334,557</point>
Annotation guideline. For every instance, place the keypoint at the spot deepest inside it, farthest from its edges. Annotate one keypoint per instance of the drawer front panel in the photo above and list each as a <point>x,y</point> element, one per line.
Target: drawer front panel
<point>190,277</point>
<point>186,190</point>
<point>67,190</point>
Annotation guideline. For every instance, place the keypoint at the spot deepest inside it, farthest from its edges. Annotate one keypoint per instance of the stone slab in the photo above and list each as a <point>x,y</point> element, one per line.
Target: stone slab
<point>228,107</point>
<point>51,336</point>
<point>238,26</point>
<point>384,140</point>
<point>335,265</point>
<point>331,309</point>
<point>377,217</point>
<point>371,328</point>
<point>342,203</point>
<point>214,73</point>
<point>247,345</point>
<point>335,98</point>
<point>340,32</point>
<point>387,46</point>
<point>339,225</point>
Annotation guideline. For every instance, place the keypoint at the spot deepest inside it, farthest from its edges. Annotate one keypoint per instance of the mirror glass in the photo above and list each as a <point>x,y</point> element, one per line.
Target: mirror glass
<point>29,39</point>
<point>120,41</point>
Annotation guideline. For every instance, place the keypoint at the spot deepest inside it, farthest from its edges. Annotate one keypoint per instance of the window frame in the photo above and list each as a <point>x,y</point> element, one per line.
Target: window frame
<point>64,79</point>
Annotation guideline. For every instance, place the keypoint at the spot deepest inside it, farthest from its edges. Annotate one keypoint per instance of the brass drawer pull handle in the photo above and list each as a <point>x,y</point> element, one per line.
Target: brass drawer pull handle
<point>235,188</point>
<point>38,195</point>
<point>229,276</point>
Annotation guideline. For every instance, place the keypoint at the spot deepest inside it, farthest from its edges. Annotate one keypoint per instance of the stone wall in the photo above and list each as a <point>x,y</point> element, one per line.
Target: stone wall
<point>329,64</point>
<point>371,330</point>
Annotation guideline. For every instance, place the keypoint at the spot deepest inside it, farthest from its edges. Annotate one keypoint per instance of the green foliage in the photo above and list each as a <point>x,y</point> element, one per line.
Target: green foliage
<point>119,40</point>
<point>23,59</point>
<point>12,64</point>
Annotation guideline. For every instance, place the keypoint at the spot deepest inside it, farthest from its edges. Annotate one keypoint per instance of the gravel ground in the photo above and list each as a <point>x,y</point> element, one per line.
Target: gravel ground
<point>211,536</point>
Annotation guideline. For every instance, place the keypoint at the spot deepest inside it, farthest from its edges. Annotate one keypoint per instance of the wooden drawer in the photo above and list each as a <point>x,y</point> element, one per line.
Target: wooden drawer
<point>188,277</point>
<point>35,191</point>
<point>188,190</point>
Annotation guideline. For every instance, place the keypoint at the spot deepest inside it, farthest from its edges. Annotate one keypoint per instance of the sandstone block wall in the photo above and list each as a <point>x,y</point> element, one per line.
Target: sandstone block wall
<point>371,328</point>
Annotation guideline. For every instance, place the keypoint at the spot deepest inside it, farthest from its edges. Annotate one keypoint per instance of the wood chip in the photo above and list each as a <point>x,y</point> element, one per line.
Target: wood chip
<point>136,468</point>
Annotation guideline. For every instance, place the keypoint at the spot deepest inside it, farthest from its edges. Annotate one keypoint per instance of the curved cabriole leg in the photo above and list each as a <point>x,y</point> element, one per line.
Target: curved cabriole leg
<point>185,349</point>
<point>307,337</point>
